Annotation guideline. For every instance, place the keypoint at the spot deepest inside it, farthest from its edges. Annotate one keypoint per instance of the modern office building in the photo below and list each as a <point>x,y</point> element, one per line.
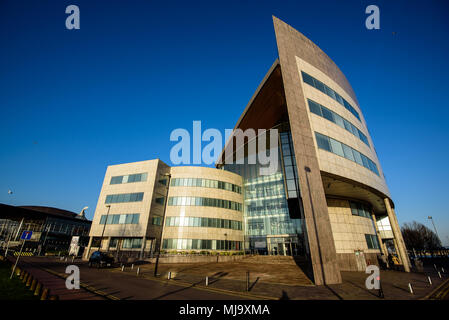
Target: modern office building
<point>53,229</point>
<point>327,202</point>
<point>203,211</point>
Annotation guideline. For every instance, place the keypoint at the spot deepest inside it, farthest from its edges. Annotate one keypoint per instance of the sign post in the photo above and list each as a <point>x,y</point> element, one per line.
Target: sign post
<point>26,235</point>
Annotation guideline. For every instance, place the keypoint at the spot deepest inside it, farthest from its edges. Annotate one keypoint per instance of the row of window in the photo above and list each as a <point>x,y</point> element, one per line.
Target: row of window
<point>204,202</point>
<point>205,183</point>
<point>129,178</point>
<point>328,91</point>
<point>203,222</point>
<point>124,197</point>
<point>371,241</point>
<point>132,218</point>
<point>341,149</point>
<point>199,244</point>
<point>324,112</point>
<point>359,209</point>
<point>126,243</point>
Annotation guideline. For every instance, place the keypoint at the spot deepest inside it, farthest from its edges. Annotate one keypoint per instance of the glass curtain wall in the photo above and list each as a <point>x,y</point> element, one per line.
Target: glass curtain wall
<point>269,226</point>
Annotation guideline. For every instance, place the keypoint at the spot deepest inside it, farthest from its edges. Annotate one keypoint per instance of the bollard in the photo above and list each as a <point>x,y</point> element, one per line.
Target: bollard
<point>138,270</point>
<point>430,281</point>
<point>25,277</point>
<point>22,274</point>
<point>30,279</point>
<point>132,266</point>
<point>45,294</point>
<point>123,267</point>
<point>439,274</point>
<point>73,259</point>
<point>169,275</point>
<point>435,267</point>
<point>442,269</point>
<point>38,289</point>
<point>33,285</point>
<point>207,281</point>
<point>410,288</point>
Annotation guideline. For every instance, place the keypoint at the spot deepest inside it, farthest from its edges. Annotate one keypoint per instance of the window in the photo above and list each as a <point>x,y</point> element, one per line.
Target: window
<point>348,152</point>
<point>132,243</point>
<point>307,79</point>
<point>328,91</point>
<point>205,183</point>
<point>328,114</point>
<point>129,178</point>
<point>371,241</point>
<point>198,244</point>
<point>157,221</point>
<point>116,180</point>
<point>337,147</point>
<point>120,218</point>
<point>205,202</point>
<point>160,200</point>
<point>325,143</point>
<point>124,197</point>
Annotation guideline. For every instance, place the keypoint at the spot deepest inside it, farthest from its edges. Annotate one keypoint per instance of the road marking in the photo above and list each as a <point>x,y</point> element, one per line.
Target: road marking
<point>440,287</point>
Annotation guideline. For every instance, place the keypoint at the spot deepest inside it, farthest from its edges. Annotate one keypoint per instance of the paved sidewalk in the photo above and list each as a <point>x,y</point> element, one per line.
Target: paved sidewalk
<point>191,285</point>
<point>232,276</point>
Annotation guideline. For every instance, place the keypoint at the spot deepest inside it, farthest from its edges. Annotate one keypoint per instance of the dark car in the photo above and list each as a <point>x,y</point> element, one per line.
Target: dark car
<point>100,259</point>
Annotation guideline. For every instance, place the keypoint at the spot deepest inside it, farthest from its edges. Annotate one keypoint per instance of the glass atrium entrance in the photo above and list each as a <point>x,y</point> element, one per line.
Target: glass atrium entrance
<point>273,214</point>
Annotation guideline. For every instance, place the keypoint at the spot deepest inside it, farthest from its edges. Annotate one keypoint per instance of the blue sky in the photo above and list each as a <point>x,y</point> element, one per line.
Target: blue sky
<point>73,102</point>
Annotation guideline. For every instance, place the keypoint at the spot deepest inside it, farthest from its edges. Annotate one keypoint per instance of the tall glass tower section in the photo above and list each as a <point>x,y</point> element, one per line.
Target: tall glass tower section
<point>273,216</point>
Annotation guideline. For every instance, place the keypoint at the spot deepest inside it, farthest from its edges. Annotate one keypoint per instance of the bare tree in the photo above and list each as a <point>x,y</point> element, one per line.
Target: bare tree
<point>417,236</point>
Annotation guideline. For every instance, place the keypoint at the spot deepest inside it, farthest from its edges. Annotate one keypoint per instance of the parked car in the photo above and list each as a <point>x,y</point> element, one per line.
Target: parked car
<point>100,259</point>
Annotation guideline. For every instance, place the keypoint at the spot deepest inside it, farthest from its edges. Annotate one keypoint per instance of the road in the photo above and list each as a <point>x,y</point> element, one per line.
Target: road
<point>118,285</point>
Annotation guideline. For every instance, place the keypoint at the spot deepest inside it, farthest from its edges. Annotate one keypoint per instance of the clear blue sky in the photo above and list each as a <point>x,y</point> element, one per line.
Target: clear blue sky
<point>74,101</point>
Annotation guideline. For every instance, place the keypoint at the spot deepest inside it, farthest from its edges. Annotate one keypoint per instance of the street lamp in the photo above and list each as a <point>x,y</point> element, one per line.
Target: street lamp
<point>168,175</point>
<point>431,219</point>
<point>104,226</point>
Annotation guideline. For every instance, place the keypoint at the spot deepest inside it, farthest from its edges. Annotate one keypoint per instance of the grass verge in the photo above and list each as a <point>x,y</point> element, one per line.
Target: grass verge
<point>13,289</point>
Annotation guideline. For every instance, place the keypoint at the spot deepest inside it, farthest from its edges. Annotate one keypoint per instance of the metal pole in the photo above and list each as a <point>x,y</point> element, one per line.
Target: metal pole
<point>436,232</point>
<point>18,230</point>
<point>162,229</point>
<point>104,227</point>
<point>17,260</point>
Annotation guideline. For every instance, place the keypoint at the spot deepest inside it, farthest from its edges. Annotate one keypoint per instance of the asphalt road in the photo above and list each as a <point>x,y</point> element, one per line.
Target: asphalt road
<point>122,285</point>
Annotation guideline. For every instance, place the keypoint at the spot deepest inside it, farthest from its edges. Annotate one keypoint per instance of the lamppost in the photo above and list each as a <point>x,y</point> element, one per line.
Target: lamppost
<point>168,175</point>
<point>104,227</point>
<point>436,232</point>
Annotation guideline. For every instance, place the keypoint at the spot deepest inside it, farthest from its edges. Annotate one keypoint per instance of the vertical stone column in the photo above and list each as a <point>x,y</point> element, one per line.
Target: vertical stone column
<point>382,247</point>
<point>399,241</point>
